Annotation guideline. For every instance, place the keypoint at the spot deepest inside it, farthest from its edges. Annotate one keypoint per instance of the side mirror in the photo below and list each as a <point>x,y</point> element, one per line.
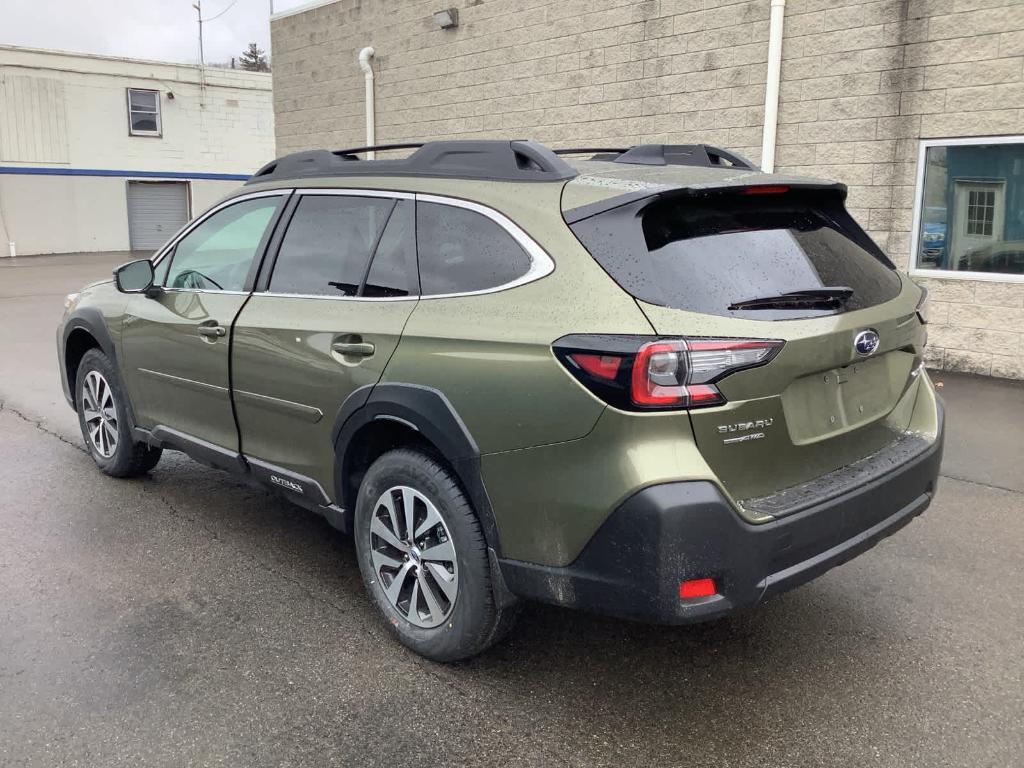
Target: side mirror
<point>134,277</point>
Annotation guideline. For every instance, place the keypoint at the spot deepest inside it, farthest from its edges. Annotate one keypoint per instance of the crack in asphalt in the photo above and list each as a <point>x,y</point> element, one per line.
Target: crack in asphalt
<point>38,424</point>
<point>993,486</point>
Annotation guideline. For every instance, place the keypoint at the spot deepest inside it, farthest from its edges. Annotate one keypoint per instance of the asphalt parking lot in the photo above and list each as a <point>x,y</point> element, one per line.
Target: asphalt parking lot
<point>186,619</point>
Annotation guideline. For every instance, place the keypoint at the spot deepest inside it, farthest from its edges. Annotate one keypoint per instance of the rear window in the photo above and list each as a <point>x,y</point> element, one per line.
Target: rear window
<point>705,255</point>
<point>461,251</point>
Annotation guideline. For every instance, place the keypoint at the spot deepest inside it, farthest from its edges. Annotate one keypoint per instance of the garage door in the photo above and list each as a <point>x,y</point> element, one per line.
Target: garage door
<point>156,210</point>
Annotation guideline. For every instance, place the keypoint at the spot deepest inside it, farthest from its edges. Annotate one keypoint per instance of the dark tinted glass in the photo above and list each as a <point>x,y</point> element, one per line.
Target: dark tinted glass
<point>393,271</point>
<point>328,244</point>
<point>704,256</point>
<point>143,122</point>
<point>461,251</point>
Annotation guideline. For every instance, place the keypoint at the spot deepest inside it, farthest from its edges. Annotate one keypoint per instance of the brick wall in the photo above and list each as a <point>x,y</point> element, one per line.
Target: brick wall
<point>861,82</point>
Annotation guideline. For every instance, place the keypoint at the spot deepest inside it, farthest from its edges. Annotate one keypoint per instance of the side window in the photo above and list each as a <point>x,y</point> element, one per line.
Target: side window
<point>328,244</point>
<point>393,271</point>
<point>160,273</point>
<point>462,250</point>
<point>218,253</point>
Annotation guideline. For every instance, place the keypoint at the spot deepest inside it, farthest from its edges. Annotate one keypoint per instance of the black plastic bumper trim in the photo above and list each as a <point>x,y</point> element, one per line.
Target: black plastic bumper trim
<point>668,533</point>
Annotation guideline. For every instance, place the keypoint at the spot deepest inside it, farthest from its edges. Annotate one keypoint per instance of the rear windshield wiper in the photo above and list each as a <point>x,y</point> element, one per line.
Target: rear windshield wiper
<point>827,296</point>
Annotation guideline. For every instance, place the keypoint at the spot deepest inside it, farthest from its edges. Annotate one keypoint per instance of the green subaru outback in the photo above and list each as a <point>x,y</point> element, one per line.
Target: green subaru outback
<point>654,383</point>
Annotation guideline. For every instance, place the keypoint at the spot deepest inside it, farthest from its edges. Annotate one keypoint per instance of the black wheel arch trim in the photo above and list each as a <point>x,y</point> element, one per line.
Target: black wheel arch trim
<point>430,413</point>
<point>90,320</point>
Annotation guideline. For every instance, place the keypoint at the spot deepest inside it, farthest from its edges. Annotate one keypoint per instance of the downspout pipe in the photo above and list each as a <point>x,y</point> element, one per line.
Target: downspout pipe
<point>771,91</point>
<point>371,133</point>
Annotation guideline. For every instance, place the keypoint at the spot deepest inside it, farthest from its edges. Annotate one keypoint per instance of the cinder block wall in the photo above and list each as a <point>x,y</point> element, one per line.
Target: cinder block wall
<point>862,81</point>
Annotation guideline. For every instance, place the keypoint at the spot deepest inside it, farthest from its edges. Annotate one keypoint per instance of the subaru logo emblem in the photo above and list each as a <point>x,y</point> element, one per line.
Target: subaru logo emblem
<point>866,342</point>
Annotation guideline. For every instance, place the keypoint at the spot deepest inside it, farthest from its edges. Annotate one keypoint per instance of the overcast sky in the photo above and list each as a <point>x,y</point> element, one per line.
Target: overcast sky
<point>145,29</point>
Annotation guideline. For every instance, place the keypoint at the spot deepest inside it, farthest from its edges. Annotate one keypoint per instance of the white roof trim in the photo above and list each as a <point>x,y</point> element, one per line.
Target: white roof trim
<point>311,5</point>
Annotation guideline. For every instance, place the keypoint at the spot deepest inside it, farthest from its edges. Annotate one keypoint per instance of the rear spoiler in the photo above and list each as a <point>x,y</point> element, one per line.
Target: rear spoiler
<point>574,215</point>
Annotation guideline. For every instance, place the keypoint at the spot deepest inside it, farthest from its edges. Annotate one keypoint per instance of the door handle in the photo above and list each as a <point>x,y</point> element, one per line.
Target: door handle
<point>212,331</point>
<point>353,348</point>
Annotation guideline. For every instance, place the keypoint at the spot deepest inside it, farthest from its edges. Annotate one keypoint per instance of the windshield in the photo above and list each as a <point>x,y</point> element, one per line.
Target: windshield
<point>707,254</point>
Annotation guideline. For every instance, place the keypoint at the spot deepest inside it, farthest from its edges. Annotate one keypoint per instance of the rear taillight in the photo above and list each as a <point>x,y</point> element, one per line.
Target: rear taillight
<point>637,373</point>
<point>924,307</point>
<point>766,189</point>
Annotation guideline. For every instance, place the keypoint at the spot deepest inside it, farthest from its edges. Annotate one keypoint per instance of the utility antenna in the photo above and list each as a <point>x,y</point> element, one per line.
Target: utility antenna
<point>198,5</point>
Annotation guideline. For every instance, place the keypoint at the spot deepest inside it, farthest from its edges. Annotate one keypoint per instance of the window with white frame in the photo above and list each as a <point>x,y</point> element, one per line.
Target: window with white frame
<point>143,112</point>
<point>969,214</point>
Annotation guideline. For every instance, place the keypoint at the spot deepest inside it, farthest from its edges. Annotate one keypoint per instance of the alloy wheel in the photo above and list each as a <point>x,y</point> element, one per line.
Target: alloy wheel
<point>99,414</point>
<point>413,556</point>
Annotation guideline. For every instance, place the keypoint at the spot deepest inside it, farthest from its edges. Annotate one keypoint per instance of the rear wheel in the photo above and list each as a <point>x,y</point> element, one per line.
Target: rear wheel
<point>103,418</point>
<point>424,559</point>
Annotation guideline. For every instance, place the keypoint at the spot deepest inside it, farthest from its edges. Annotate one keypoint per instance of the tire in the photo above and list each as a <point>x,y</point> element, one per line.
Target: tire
<point>470,622</point>
<point>107,430</point>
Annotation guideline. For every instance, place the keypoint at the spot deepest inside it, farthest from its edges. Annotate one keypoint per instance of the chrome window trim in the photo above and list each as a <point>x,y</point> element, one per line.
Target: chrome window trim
<point>541,264</point>
<point>353,192</point>
<point>277,295</point>
<point>203,290</point>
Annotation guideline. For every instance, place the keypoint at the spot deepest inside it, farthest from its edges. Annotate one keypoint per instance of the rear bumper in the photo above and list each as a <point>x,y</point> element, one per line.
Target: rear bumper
<point>672,532</point>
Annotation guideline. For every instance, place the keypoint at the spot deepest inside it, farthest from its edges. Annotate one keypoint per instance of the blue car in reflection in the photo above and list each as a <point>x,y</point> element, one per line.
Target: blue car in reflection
<point>933,235</point>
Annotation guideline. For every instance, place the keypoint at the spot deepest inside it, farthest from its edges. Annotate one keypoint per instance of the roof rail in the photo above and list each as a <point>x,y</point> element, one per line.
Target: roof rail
<point>666,154</point>
<point>350,154</point>
<point>489,159</point>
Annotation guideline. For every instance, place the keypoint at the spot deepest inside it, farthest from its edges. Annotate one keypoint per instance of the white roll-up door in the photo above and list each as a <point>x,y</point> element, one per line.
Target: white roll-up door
<point>156,210</point>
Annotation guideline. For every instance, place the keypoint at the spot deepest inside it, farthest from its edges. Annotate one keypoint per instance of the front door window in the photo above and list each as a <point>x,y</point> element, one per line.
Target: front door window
<point>218,254</point>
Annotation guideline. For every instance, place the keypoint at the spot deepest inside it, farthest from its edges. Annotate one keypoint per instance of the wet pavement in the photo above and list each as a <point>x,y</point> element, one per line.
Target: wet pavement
<point>187,619</point>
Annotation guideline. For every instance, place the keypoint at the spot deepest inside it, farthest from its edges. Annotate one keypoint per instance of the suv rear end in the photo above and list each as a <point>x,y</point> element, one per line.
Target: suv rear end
<point>776,421</point>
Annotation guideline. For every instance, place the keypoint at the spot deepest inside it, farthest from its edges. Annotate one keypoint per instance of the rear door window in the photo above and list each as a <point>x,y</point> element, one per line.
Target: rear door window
<point>461,251</point>
<point>705,255</point>
<point>393,272</point>
<point>328,244</point>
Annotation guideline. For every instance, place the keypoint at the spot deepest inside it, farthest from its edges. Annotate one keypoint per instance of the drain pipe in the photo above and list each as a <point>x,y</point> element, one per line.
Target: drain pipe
<point>771,91</point>
<point>364,64</point>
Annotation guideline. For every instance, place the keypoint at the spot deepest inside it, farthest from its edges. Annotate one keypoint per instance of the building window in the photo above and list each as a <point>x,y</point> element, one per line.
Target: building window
<point>143,112</point>
<point>981,206</point>
<point>969,215</point>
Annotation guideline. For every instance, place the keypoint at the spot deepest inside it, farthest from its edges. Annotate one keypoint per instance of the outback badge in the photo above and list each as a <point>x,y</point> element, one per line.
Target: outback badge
<point>866,342</point>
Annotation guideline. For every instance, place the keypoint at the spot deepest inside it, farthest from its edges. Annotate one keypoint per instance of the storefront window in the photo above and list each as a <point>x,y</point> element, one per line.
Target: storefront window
<point>971,207</point>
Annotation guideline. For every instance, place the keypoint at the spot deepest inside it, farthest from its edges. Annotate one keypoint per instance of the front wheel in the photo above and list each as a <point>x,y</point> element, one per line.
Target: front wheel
<point>424,559</point>
<point>103,418</point>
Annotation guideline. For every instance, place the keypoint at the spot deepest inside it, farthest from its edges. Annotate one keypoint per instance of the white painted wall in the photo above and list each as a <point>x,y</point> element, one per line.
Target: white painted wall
<point>68,214</point>
<point>69,111</point>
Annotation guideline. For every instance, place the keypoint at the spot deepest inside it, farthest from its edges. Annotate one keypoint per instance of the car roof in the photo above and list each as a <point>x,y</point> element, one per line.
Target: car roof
<point>593,178</point>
